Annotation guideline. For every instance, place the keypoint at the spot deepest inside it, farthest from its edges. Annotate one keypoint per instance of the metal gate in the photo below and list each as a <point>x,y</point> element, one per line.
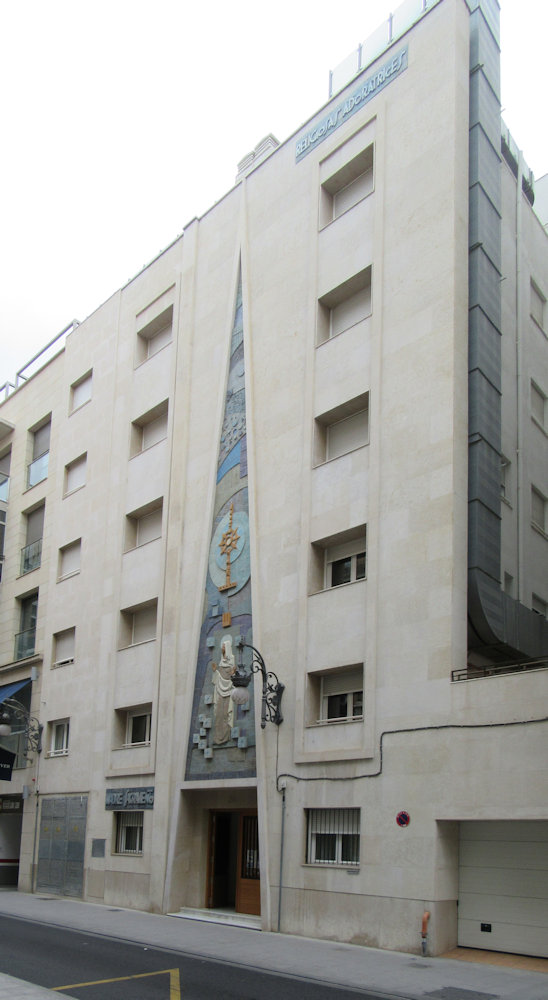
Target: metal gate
<point>61,846</point>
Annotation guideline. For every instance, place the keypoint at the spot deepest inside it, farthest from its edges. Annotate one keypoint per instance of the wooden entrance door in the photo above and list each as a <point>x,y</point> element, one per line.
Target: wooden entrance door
<point>233,870</point>
<point>248,884</point>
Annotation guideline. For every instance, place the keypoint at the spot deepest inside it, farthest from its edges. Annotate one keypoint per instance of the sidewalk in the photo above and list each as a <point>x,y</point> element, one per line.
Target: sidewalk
<point>394,974</point>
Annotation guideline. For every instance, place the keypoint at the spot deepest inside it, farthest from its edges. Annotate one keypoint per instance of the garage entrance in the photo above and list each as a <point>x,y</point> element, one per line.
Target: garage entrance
<point>503,886</point>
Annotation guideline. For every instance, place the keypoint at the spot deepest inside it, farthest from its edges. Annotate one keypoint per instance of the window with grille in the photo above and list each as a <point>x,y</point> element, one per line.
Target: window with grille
<point>129,832</point>
<point>333,836</point>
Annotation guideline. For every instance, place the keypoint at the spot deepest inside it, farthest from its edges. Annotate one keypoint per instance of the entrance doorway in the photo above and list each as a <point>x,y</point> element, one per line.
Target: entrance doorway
<point>233,876</point>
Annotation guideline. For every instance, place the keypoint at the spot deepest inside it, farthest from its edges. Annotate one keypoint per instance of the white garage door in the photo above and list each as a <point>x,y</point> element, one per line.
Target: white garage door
<point>503,886</point>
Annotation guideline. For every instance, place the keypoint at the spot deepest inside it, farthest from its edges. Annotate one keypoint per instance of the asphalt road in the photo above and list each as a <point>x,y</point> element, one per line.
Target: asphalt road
<point>92,967</point>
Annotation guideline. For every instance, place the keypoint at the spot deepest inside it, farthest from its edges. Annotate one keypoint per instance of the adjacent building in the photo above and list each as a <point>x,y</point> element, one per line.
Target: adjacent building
<point>316,424</point>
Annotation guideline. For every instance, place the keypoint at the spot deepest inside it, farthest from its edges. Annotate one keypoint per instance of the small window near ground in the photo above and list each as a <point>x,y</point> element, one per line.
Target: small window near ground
<point>333,837</point>
<point>128,836</point>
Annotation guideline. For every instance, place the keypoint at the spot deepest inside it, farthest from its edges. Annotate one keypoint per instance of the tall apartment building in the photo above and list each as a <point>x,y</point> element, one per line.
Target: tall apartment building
<point>317,423</point>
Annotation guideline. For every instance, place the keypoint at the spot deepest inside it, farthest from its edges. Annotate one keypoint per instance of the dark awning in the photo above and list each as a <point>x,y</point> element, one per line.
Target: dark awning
<point>8,690</point>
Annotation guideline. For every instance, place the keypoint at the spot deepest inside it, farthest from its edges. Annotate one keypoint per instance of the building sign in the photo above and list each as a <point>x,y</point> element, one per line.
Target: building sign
<point>364,93</point>
<point>7,760</point>
<point>11,804</point>
<point>129,798</point>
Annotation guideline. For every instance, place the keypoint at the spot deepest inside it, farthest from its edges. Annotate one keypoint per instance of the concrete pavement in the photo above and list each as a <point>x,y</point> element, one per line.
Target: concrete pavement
<point>393,974</point>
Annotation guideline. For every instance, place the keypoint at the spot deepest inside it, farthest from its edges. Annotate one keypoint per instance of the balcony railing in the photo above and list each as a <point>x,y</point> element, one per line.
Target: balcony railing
<point>38,470</point>
<point>4,487</point>
<point>31,556</point>
<point>25,643</point>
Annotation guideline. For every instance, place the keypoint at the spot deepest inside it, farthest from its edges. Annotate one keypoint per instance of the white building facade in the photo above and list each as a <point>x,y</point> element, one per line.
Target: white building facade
<point>318,424</point>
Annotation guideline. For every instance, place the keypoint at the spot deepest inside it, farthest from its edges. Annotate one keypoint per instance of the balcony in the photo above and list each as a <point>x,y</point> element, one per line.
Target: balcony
<point>4,488</point>
<point>31,556</point>
<point>25,643</point>
<point>38,470</point>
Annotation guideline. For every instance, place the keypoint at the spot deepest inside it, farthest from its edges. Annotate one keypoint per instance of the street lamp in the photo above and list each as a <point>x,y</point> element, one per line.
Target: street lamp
<point>272,688</point>
<point>16,720</point>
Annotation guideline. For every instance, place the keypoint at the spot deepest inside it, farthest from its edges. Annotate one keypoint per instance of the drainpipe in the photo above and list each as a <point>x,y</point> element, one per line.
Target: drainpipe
<point>424,930</point>
<point>283,786</point>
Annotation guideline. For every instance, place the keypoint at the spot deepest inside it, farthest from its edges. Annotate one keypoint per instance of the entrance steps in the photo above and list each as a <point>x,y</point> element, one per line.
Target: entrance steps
<point>222,916</point>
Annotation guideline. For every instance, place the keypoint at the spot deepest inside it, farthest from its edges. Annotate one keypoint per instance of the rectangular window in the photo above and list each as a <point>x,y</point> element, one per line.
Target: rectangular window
<point>341,695</point>
<point>344,306</point>
<point>144,525</point>
<point>80,392</point>
<point>69,559</point>
<point>346,186</point>
<point>5,464</point>
<point>345,563</point>
<point>138,624</point>
<point>31,553</point>
<point>338,559</point>
<point>155,335</point>
<point>59,738</point>
<point>38,468</point>
<point>504,478</point>
<point>25,639</point>
<point>342,429</point>
<point>539,606</point>
<point>538,305</point>
<point>138,727</point>
<point>75,474</point>
<point>63,647</point>
<point>538,509</point>
<point>129,832</point>
<point>539,408</point>
<point>333,836</point>
<point>149,429</point>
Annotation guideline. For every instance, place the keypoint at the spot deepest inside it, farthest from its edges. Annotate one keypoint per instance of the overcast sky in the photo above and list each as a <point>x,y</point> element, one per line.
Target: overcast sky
<point>122,120</point>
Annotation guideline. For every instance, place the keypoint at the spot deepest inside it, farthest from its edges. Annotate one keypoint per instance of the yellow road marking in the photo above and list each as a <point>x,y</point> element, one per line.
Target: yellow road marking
<point>174,982</point>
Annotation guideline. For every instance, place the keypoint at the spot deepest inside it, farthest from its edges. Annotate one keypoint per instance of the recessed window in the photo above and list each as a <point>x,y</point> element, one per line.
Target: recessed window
<point>25,639</point>
<point>75,474</point>
<point>505,478</point>
<point>539,606</point>
<point>63,647</point>
<point>138,727</point>
<point>144,525</point>
<point>31,553</point>
<point>80,392</point>
<point>538,510</point>
<point>5,465</point>
<point>335,695</point>
<point>155,335</point>
<point>339,559</point>
<point>539,407</point>
<point>138,624</point>
<point>40,441</point>
<point>69,559</point>
<point>59,738</point>
<point>341,429</point>
<point>346,187</point>
<point>149,429</point>
<point>128,834</point>
<point>538,305</point>
<point>333,836</point>
<point>344,306</point>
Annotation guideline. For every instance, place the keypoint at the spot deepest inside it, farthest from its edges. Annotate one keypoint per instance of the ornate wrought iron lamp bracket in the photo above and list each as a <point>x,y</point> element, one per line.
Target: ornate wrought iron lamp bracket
<point>16,718</point>
<point>272,687</point>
